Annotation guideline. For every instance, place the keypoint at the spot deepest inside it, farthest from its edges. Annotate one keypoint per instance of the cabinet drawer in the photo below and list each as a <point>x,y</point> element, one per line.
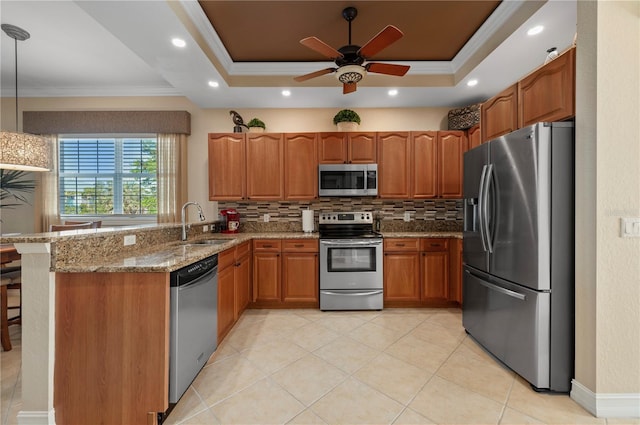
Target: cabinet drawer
<point>267,245</point>
<point>243,249</point>
<point>300,245</point>
<point>434,244</point>
<point>226,258</point>
<point>402,245</point>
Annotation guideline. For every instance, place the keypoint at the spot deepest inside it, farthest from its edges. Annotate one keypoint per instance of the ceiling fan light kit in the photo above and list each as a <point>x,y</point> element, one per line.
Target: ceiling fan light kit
<point>350,58</point>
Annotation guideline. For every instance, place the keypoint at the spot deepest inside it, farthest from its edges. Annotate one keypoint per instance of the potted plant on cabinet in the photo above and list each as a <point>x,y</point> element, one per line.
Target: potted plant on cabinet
<point>346,120</point>
<point>256,126</point>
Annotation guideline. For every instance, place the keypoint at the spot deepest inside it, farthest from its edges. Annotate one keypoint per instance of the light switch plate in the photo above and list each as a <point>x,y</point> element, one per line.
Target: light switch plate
<point>266,218</point>
<point>407,216</point>
<point>205,228</point>
<point>129,240</point>
<point>630,227</point>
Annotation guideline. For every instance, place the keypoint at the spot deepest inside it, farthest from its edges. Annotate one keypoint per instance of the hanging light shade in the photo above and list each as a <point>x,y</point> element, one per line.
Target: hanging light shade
<point>22,151</point>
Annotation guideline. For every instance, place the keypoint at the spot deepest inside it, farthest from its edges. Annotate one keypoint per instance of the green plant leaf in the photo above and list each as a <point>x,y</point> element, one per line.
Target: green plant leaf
<point>14,186</point>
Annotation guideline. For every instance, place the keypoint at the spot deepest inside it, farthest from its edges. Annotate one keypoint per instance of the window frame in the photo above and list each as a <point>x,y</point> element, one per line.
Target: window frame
<point>118,177</point>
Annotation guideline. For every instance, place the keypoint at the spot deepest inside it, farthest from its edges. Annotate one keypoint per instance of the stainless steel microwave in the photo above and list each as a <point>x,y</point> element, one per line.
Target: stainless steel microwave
<point>348,179</point>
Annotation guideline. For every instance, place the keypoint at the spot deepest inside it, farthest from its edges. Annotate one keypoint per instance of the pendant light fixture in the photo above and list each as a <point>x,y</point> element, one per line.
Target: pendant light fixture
<point>22,151</point>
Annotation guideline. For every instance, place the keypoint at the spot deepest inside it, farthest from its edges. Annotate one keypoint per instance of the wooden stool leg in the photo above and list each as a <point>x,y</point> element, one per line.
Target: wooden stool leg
<point>4,325</point>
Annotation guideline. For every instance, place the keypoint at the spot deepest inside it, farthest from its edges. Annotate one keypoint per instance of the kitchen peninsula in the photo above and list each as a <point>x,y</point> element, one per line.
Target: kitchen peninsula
<point>92,304</point>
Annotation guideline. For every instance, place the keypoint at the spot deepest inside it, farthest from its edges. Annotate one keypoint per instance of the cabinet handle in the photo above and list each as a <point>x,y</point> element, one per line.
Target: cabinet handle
<point>267,246</point>
<point>399,244</point>
<point>298,245</point>
<point>436,244</point>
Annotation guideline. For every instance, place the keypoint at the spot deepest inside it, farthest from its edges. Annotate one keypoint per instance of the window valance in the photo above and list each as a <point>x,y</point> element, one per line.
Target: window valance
<point>109,122</point>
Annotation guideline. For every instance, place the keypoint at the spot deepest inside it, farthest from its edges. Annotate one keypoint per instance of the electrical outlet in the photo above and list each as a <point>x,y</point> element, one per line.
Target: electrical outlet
<point>407,216</point>
<point>129,240</point>
<point>266,218</point>
<point>205,228</point>
<point>630,227</point>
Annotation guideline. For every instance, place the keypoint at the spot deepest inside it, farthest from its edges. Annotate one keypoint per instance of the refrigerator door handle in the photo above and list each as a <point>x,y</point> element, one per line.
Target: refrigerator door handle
<point>481,202</point>
<point>484,216</point>
<point>496,288</point>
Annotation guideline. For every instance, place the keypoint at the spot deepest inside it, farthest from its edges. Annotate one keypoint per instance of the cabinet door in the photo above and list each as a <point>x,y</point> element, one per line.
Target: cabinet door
<point>451,147</point>
<point>394,159</point>
<point>361,148</point>
<point>401,276</point>
<point>300,277</point>
<point>266,276</point>
<point>425,164</point>
<point>242,276</point>
<point>435,275</point>
<point>474,136</point>
<point>226,301</point>
<point>455,270</point>
<point>227,174</point>
<point>301,166</point>
<point>332,148</point>
<point>499,115</point>
<point>265,166</point>
<point>548,94</point>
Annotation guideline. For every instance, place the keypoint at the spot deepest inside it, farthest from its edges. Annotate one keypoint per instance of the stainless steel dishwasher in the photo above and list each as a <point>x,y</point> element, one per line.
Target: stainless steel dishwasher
<point>194,322</point>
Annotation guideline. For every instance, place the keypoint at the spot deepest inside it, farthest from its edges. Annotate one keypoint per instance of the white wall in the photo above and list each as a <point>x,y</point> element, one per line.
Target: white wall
<point>608,188</point>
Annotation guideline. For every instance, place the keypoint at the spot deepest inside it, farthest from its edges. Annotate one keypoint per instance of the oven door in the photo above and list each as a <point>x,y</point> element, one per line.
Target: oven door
<point>351,263</point>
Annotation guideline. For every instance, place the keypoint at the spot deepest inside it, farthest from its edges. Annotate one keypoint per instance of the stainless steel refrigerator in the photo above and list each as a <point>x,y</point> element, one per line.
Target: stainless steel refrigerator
<point>518,251</point>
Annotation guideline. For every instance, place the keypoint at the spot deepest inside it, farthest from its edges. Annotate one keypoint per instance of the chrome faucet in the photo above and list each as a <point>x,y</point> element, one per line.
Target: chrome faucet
<point>184,224</point>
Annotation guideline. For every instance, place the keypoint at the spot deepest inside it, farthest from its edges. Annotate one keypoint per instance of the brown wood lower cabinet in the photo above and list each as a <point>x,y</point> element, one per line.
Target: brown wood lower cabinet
<point>111,347</point>
<point>234,286</point>
<point>417,272</point>
<point>285,273</point>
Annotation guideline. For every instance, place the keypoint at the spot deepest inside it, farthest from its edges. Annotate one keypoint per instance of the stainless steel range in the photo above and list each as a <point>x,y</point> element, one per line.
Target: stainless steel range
<point>350,262</point>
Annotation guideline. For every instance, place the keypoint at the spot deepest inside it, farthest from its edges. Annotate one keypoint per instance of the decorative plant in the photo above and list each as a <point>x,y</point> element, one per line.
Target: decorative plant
<point>14,187</point>
<point>346,115</point>
<point>255,122</point>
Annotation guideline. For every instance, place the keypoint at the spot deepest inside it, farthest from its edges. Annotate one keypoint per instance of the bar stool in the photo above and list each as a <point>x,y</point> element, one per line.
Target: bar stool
<point>10,279</point>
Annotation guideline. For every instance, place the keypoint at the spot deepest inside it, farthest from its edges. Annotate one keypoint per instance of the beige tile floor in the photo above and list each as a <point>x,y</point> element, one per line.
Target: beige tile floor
<point>397,366</point>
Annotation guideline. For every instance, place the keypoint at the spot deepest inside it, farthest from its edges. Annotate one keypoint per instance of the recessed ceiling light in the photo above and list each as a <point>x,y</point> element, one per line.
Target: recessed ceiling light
<point>213,84</point>
<point>392,92</point>
<point>286,93</point>
<point>535,30</point>
<point>178,42</point>
<point>472,83</point>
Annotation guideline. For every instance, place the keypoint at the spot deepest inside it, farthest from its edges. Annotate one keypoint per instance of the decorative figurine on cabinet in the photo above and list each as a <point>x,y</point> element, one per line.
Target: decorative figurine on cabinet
<point>238,121</point>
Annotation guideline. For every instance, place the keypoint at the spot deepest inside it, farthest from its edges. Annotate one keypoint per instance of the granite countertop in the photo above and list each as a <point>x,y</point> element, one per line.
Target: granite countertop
<point>158,249</point>
<point>175,255</point>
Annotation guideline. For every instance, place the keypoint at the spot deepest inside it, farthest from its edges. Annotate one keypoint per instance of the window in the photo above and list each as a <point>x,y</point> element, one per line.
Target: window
<point>108,176</point>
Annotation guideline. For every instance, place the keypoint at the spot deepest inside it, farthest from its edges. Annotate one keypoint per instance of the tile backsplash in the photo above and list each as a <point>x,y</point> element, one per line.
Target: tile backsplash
<point>426,215</point>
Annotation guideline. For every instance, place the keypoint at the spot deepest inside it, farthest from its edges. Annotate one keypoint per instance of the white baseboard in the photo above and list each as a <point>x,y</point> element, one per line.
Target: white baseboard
<point>612,405</point>
<point>36,417</point>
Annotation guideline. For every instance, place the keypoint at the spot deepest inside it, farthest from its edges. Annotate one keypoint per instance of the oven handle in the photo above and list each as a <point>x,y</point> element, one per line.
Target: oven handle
<point>352,294</point>
<point>357,242</point>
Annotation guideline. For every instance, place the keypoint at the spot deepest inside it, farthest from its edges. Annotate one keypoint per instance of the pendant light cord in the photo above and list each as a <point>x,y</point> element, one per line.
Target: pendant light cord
<point>15,49</point>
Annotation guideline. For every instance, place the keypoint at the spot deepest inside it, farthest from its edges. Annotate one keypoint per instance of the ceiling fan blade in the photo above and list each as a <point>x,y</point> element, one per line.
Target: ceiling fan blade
<point>349,88</point>
<point>314,74</point>
<point>381,40</point>
<point>387,68</point>
<point>321,47</point>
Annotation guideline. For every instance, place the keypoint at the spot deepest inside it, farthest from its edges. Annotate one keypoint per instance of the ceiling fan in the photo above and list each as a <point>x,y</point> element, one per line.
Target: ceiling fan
<point>350,58</point>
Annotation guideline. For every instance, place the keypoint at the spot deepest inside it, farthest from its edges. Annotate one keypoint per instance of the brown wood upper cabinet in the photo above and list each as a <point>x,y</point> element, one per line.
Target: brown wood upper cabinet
<point>394,160</point>
<point>301,166</point>
<point>265,166</point>
<point>347,148</point>
<point>227,172</point>
<point>548,93</point>
<point>474,136</point>
<point>499,115</point>
<point>434,160</point>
